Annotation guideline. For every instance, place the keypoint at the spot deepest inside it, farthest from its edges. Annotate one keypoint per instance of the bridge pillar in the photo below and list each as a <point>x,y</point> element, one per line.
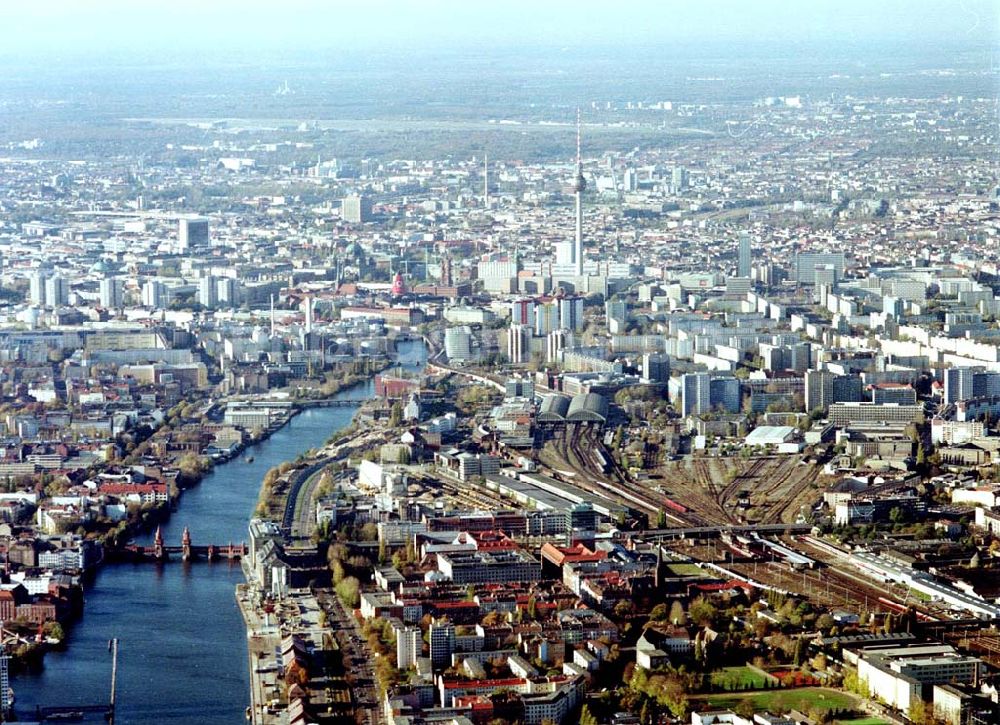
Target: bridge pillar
<point>158,552</point>
<point>212,555</point>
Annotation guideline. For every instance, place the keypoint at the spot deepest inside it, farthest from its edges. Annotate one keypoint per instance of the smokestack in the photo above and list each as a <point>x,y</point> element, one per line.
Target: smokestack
<point>309,314</point>
<point>486,180</point>
<point>272,315</point>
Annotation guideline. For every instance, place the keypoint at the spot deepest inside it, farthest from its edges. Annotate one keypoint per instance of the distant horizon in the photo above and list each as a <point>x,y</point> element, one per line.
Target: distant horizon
<point>113,32</point>
<point>855,52</point>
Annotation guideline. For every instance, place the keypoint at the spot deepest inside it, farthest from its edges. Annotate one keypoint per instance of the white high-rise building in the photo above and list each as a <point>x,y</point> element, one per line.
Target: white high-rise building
<point>154,294</point>
<point>458,343</point>
<point>745,255</point>
<point>555,342</point>
<point>192,232</point>
<point>227,292</point>
<point>679,179</point>
<point>522,312</point>
<point>409,646</point>
<point>111,293</point>
<point>656,367</point>
<point>630,180</point>
<point>356,209</point>
<point>566,256</point>
<point>571,313</point>
<point>207,291</point>
<point>36,291</point>
<point>825,275</point>
<point>957,384</point>
<point>546,318</point>
<point>519,343</point>
<point>805,265</point>
<point>818,389</point>
<point>56,291</point>
<point>696,393</point>
<point>616,309</point>
<point>441,644</point>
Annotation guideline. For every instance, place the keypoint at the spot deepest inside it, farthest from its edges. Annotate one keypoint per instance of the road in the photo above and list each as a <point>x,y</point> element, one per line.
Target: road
<point>296,501</point>
<point>358,660</point>
<point>262,641</point>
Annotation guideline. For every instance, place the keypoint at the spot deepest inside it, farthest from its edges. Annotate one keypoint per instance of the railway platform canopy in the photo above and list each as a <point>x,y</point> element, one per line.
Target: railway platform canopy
<point>588,408</point>
<point>553,409</point>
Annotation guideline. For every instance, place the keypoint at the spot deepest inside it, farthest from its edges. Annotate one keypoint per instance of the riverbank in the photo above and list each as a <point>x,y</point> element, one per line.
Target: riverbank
<point>288,496</point>
<point>262,643</point>
<point>176,619</point>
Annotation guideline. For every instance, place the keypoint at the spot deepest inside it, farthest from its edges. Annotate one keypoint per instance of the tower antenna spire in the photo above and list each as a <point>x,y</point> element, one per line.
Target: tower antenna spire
<point>579,157</point>
<point>578,186</point>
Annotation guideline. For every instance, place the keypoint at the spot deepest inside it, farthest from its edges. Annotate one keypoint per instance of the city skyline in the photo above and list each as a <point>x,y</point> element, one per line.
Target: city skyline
<point>532,363</point>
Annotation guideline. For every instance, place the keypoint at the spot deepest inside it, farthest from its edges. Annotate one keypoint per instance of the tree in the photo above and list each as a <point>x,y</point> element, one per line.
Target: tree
<point>624,608</point>
<point>745,709</point>
<point>699,651</point>
<point>702,612</point>
<point>396,415</point>
<point>658,613</point>
<point>54,630</point>
<point>644,713</point>
<point>587,717</point>
<point>825,622</point>
<point>919,713</point>
<point>677,614</point>
<point>532,608</point>
<point>192,465</point>
<point>348,590</point>
<point>799,652</point>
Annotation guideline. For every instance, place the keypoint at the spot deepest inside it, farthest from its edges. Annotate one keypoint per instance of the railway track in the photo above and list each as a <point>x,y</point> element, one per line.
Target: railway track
<point>733,487</point>
<point>877,596</point>
<point>986,646</point>
<point>579,454</point>
<point>775,514</point>
<point>474,498</point>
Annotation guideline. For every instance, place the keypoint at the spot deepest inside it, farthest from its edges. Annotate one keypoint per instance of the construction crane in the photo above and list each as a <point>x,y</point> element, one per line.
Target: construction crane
<point>78,712</point>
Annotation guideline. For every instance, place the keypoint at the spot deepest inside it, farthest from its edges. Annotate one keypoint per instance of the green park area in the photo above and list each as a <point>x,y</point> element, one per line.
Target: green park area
<point>738,678</point>
<point>803,699</point>
<point>682,569</point>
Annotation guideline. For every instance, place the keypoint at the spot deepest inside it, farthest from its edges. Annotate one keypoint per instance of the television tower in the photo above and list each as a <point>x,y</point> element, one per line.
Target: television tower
<point>578,188</point>
<point>486,181</point>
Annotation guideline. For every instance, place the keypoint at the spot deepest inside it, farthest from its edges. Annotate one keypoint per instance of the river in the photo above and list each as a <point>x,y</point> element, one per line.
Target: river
<point>182,652</point>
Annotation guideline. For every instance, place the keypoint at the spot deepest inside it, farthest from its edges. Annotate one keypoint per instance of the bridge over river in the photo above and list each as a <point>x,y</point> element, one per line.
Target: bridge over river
<point>159,551</point>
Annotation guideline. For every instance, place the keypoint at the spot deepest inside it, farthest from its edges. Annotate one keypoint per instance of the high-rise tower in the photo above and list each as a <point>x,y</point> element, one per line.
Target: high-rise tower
<point>578,188</point>
<point>744,256</point>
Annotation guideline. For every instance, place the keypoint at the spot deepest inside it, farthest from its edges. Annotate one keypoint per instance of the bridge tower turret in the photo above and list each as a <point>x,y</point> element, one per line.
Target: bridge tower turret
<point>158,552</point>
<point>186,545</point>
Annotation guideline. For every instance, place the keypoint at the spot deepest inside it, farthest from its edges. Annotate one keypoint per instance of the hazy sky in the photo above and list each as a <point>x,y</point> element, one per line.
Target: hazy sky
<point>103,28</point>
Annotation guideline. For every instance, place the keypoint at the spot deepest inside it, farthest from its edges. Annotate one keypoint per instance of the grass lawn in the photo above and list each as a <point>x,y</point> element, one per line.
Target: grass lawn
<point>738,678</point>
<point>801,698</point>
<point>683,569</point>
<point>864,721</point>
